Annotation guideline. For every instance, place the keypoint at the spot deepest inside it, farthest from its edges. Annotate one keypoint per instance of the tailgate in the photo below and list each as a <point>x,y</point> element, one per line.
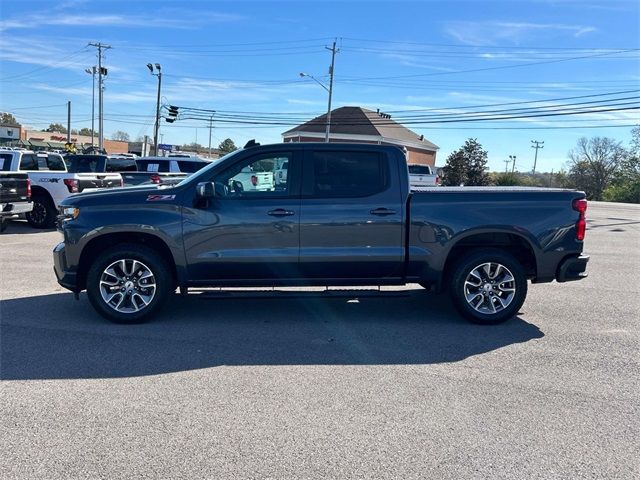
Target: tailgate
<point>13,187</point>
<point>98,180</point>
<point>265,180</point>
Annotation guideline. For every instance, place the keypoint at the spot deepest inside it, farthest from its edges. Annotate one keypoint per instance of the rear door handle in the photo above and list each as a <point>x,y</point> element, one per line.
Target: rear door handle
<point>382,212</point>
<point>280,212</point>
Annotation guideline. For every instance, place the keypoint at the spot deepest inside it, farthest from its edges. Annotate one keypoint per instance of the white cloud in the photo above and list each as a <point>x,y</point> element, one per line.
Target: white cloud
<point>491,33</point>
<point>114,20</point>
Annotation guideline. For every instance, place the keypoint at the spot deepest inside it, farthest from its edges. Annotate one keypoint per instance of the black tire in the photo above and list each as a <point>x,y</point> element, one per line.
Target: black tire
<point>152,261</point>
<point>491,294</point>
<point>43,214</point>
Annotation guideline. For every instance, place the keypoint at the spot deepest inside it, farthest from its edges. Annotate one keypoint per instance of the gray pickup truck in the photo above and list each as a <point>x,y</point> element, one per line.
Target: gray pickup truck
<point>15,196</point>
<point>344,216</point>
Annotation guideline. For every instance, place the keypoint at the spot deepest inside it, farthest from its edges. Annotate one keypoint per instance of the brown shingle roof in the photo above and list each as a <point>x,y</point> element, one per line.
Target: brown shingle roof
<point>361,121</point>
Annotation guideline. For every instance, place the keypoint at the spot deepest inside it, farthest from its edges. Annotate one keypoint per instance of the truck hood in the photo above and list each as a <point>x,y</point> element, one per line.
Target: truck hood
<point>115,195</point>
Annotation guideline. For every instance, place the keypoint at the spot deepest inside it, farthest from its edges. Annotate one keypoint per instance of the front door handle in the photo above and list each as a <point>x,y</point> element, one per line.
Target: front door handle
<point>280,212</point>
<point>382,212</point>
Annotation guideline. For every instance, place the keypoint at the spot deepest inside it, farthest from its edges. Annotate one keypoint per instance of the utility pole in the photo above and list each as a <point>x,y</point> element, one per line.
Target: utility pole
<point>69,121</point>
<point>157,126</point>
<point>210,128</point>
<point>100,47</point>
<point>506,165</point>
<point>331,68</point>
<point>92,71</point>
<point>536,145</point>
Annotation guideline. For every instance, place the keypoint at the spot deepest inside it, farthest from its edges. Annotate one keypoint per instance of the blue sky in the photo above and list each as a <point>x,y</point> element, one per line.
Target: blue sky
<point>397,56</point>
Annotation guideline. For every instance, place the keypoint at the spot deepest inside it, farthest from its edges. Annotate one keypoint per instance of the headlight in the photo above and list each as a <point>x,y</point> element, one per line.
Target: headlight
<point>71,212</point>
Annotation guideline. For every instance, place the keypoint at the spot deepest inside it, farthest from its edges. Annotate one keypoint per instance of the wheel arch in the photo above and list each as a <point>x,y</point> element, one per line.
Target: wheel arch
<point>516,244</point>
<point>108,240</point>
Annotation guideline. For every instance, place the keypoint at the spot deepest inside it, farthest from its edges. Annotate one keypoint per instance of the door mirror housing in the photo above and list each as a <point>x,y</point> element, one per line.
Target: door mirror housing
<point>205,190</point>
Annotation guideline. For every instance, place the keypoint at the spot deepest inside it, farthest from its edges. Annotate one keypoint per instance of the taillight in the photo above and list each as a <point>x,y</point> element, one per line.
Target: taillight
<point>28,188</point>
<point>155,179</point>
<point>254,180</point>
<point>121,182</point>
<point>580,206</point>
<point>437,180</point>
<point>71,184</point>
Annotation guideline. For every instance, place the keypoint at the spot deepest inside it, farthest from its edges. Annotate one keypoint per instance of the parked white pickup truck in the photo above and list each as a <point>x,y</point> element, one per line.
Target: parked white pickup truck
<point>51,182</point>
<point>422,176</point>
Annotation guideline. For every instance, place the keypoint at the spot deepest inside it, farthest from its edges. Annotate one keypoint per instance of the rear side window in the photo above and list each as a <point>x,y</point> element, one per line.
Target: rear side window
<point>29,162</point>
<point>55,163</point>
<point>348,174</point>
<point>419,169</point>
<point>5,162</point>
<point>121,165</point>
<point>187,166</point>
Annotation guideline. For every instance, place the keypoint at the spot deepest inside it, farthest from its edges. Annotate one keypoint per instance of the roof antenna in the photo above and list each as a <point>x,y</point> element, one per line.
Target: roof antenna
<point>252,143</point>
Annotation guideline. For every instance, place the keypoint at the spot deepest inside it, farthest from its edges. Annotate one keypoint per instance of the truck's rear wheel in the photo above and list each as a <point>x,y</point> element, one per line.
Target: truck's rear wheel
<point>128,283</point>
<point>488,286</point>
<point>43,214</point>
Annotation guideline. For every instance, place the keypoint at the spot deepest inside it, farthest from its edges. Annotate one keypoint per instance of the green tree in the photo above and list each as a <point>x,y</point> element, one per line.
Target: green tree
<point>227,146</point>
<point>467,165</point>
<point>625,186</point>
<point>120,136</point>
<point>594,163</point>
<point>86,131</point>
<point>56,127</point>
<point>8,119</point>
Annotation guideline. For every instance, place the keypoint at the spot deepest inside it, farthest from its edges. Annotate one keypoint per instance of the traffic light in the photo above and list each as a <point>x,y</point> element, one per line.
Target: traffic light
<point>173,114</point>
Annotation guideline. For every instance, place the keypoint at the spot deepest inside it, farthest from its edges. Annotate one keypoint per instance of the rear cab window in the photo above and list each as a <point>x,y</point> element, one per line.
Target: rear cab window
<point>87,163</point>
<point>153,166</point>
<point>121,164</point>
<point>420,170</point>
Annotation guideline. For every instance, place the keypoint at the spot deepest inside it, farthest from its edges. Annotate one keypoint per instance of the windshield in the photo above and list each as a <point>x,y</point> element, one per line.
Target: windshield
<point>203,171</point>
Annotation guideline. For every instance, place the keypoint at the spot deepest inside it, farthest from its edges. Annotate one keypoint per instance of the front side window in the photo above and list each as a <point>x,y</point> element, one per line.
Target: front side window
<point>254,178</point>
<point>348,174</point>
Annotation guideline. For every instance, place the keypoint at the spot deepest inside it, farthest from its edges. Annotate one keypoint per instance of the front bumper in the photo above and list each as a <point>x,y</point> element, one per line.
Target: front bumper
<point>572,268</point>
<point>66,278</point>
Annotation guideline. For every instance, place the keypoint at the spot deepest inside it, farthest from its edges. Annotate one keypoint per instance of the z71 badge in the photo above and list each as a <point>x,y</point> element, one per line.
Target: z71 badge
<point>160,198</point>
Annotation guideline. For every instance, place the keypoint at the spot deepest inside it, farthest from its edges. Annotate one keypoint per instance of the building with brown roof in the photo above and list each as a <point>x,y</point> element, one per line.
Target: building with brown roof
<point>360,125</point>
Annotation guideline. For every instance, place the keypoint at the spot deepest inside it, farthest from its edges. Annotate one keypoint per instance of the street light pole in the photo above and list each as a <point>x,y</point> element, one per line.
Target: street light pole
<point>157,126</point>
<point>333,60</point>
<point>329,90</point>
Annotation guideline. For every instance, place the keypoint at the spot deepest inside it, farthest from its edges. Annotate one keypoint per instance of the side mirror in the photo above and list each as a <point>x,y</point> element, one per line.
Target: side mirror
<point>205,190</point>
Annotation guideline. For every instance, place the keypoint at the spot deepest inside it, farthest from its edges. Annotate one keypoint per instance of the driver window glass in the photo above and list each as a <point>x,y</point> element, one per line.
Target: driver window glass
<point>262,176</point>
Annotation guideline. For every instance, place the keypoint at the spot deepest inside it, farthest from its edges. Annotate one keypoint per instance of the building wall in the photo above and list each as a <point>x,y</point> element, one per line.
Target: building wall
<point>415,155</point>
<point>421,157</point>
<point>111,146</point>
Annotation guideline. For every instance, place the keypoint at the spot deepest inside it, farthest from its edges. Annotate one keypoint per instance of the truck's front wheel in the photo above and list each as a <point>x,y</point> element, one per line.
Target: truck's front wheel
<point>488,286</point>
<point>128,283</point>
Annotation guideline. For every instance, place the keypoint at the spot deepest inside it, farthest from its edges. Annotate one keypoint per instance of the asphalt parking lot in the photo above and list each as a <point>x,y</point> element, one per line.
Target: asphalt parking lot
<point>309,384</point>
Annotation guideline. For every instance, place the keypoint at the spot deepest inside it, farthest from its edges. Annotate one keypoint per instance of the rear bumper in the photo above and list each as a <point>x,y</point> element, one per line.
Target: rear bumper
<point>66,278</point>
<point>10,209</point>
<point>572,268</point>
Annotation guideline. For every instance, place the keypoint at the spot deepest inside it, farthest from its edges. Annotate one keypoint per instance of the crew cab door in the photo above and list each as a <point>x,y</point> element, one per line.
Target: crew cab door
<point>351,225</point>
<point>250,229</point>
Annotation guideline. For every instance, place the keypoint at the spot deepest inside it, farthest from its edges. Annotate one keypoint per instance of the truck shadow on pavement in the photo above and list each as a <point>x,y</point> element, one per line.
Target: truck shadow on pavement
<point>56,337</point>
